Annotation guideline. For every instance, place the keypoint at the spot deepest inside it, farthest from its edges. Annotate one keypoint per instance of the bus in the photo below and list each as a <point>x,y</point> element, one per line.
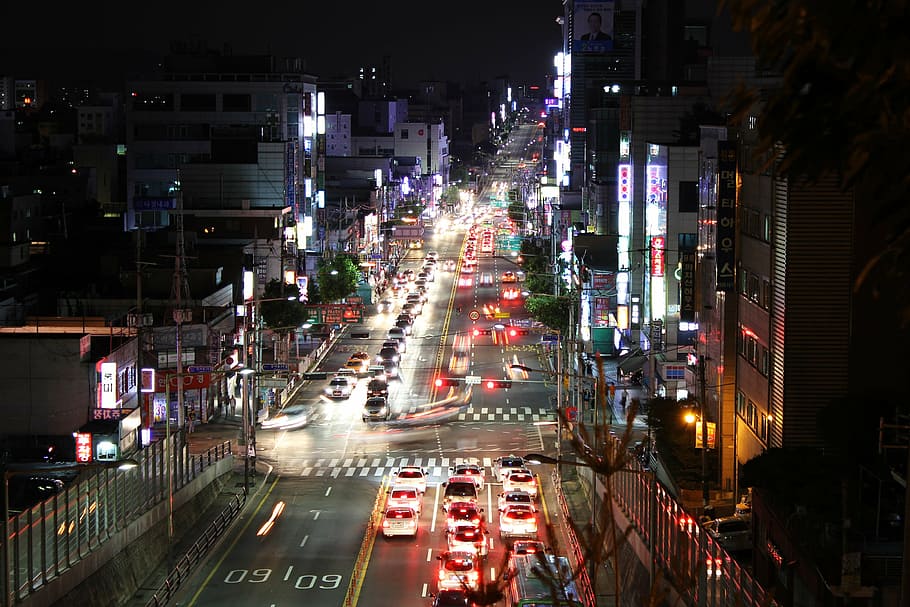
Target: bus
<point>541,580</point>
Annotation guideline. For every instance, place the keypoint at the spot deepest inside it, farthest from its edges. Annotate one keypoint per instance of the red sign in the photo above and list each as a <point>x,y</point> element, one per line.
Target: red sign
<point>191,381</point>
<point>658,256</point>
<point>83,447</point>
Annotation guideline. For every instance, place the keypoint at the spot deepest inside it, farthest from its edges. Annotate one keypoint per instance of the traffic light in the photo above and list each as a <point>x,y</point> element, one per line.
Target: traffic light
<point>492,384</point>
<point>477,332</point>
<point>446,381</point>
<point>513,332</point>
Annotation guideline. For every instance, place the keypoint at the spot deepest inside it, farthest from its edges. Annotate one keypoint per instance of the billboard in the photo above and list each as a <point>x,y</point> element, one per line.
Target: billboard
<point>593,27</point>
<point>725,242</point>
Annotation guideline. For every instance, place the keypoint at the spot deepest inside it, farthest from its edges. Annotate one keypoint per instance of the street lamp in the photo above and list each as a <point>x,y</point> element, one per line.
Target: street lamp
<point>248,427</point>
<point>11,470</point>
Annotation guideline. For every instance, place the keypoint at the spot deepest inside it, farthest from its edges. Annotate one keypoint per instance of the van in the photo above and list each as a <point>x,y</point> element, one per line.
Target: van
<point>459,489</point>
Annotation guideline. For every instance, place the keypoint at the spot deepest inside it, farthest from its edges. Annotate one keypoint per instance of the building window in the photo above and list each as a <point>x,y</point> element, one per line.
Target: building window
<point>766,294</point>
<point>743,281</point>
<point>404,133</point>
<point>766,228</point>
<point>754,284</point>
<point>765,366</point>
<point>740,404</point>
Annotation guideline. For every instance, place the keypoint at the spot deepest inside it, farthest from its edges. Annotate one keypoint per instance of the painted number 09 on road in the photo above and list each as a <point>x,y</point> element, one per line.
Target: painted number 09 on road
<point>303,582</point>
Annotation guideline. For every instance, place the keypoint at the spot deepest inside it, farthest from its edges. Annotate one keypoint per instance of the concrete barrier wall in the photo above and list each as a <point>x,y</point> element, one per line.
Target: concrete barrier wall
<point>112,573</point>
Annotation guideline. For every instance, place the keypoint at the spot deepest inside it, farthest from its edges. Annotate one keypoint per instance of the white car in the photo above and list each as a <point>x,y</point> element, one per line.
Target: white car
<point>518,521</point>
<point>433,255</point>
<point>405,496</point>
<point>521,480</point>
<point>415,476</point>
<point>339,387</point>
<point>293,416</point>
<point>348,373</point>
<point>399,521</point>
<point>505,464</point>
<point>458,570</point>
<point>508,498</point>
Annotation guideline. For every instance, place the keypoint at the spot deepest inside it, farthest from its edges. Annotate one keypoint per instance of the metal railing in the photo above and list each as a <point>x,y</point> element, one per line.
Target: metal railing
<point>196,553</point>
<point>51,537</point>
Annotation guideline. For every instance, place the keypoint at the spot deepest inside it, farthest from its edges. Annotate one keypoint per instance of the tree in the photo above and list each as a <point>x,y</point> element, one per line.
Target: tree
<point>279,313</point>
<point>517,211</point>
<point>840,107</point>
<point>338,278</point>
<point>551,311</point>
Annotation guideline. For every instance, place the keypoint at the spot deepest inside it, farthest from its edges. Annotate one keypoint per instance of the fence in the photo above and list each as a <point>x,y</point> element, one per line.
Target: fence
<point>700,570</point>
<point>51,537</point>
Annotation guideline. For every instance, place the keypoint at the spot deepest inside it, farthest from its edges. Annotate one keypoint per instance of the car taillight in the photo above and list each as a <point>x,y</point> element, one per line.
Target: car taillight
<point>385,524</point>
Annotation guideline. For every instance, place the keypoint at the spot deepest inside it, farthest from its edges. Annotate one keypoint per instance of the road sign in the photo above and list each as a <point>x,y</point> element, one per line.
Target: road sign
<point>472,380</point>
<point>501,315</point>
<point>549,337</point>
<point>572,413</point>
<point>199,369</point>
<point>474,315</point>
<point>275,367</point>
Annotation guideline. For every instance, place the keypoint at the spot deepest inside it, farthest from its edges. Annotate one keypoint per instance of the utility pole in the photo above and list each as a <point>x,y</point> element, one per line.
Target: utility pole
<point>702,397</point>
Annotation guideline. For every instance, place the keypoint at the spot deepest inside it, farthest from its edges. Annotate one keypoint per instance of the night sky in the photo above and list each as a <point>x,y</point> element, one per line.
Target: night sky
<point>466,41</point>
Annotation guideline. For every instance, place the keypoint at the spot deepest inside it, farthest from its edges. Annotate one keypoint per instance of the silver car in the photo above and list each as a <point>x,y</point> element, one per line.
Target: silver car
<point>399,521</point>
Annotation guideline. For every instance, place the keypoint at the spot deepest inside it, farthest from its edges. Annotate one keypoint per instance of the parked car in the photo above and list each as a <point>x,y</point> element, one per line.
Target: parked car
<point>733,533</point>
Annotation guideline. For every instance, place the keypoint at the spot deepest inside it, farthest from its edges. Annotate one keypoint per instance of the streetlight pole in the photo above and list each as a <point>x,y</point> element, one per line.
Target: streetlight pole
<point>705,496</point>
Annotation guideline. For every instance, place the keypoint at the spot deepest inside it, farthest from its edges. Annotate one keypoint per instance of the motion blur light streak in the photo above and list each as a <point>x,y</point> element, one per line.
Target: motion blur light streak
<point>267,526</point>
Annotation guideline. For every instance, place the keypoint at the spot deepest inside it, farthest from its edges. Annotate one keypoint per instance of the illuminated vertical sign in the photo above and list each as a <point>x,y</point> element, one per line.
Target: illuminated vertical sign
<point>108,385</point>
<point>725,242</point>
<point>624,182</point>
<point>687,243</point>
<point>290,179</point>
<point>658,256</point>
<point>83,447</point>
<point>147,380</point>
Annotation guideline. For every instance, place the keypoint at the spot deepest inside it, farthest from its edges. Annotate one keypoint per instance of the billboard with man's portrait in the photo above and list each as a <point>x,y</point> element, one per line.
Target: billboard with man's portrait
<point>592,27</point>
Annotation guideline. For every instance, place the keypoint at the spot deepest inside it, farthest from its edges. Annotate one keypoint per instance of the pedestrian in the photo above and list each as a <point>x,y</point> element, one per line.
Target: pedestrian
<point>191,423</point>
<point>623,399</point>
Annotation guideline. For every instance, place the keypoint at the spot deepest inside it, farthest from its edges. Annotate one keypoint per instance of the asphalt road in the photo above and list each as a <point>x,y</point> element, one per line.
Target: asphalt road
<point>327,476</point>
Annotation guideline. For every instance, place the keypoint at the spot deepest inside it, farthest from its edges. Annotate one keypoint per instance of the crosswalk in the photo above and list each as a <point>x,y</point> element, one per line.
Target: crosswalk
<point>374,467</point>
<point>491,414</point>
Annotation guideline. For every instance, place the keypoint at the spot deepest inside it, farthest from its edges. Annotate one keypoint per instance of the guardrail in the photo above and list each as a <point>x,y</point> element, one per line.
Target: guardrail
<point>369,536</point>
<point>51,537</point>
<point>196,553</point>
<point>582,579</point>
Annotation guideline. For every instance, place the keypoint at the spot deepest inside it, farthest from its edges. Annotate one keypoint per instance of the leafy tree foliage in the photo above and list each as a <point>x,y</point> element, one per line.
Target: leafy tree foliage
<point>517,211</point>
<point>278,312</point>
<point>840,107</point>
<point>338,278</point>
<point>551,311</point>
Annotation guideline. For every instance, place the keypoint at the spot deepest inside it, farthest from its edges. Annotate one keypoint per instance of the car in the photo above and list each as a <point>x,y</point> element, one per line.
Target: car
<point>449,265</point>
<point>411,275</point>
<point>378,386</point>
<point>465,281</point>
<point>398,334</point>
<point>433,255</point>
<point>415,301</point>
<point>510,293</point>
<point>460,514</point>
<point>469,468</point>
<point>357,365</point>
<point>361,355</point>
<point>339,387</point>
<point>430,274</point>
<point>406,324</point>
<point>405,496</point>
<point>521,480</point>
<point>412,309</point>
<point>293,416</point>
<point>399,521</point>
<point>457,571</point>
<point>522,546</point>
<point>507,498</point>
<point>415,476</point>
<point>375,372</point>
<point>415,244</point>
<point>509,276</point>
<point>420,282</point>
<point>468,539</point>
<point>517,520</point>
<point>451,598</point>
<point>347,373</point>
<point>459,489</point>
<point>391,369</point>
<point>394,343</point>
<point>486,279</point>
<point>505,464</point>
<point>376,408</point>
<point>388,353</point>
<point>732,533</point>
<point>384,306</point>
<point>422,276</point>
